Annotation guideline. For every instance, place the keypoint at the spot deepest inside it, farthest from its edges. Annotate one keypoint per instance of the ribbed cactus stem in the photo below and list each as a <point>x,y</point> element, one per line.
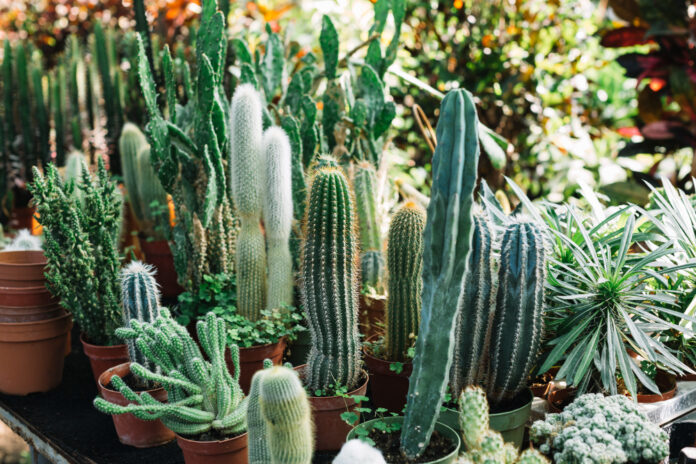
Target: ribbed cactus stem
<point>151,197</point>
<point>246,132</point>
<point>447,242</point>
<point>288,417</point>
<point>72,174</point>
<point>130,143</point>
<point>259,452</point>
<point>404,263</point>
<point>518,320</point>
<point>476,306</point>
<point>330,281</point>
<point>277,216</point>
<point>371,261</point>
<point>141,301</point>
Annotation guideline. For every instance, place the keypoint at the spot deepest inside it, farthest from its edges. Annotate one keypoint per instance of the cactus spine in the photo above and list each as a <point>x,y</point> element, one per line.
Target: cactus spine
<point>277,216</point>
<point>447,241</point>
<point>141,301</point>
<point>330,281</point>
<point>518,320</point>
<point>405,263</point>
<point>476,305</point>
<point>285,411</point>
<point>246,139</point>
<point>371,260</point>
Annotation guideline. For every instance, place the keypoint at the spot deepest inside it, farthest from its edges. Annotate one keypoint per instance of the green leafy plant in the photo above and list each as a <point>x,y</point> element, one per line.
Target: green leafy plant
<point>81,248</point>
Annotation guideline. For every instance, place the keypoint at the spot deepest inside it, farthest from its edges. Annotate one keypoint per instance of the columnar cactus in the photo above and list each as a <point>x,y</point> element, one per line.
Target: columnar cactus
<point>473,416</point>
<point>259,452</point>
<point>330,281</point>
<point>371,260</point>
<point>476,306</point>
<point>141,301</point>
<point>286,415</point>
<point>72,174</point>
<point>404,263</point>
<point>277,216</point>
<point>447,242</point>
<point>518,319</point>
<point>202,394</point>
<point>246,141</point>
<point>130,143</point>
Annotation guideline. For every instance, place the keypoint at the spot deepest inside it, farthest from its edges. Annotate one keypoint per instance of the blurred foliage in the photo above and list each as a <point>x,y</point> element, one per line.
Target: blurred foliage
<point>542,80</point>
<point>665,67</point>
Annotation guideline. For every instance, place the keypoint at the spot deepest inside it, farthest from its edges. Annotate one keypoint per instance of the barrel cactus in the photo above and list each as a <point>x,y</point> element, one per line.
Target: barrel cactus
<point>141,301</point>
<point>517,324</point>
<point>447,241</point>
<point>404,264</point>
<point>371,259</point>
<point>330,281</point>
<point>277,216</point>
<point>476,306</point>
<point>283,405</point>
<point>246,137</point>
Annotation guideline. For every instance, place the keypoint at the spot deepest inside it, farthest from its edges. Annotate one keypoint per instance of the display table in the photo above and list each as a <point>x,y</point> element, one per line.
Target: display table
<point>63,426</point>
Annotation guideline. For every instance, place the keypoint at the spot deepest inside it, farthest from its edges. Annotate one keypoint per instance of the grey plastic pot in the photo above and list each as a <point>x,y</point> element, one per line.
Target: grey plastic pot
<point>510,424</point>
<point>445,430</point>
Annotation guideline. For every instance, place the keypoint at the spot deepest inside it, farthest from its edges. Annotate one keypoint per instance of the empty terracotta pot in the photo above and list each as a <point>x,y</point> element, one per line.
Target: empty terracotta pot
<point>330,430</point>
<point>158,253</point>
<point>22,268</point>
<point>251,360</point>
<point>388,389</point>
<point>131,430</point>
<point>230,451</point>
<point>32,354</point>
<point>102,358</point>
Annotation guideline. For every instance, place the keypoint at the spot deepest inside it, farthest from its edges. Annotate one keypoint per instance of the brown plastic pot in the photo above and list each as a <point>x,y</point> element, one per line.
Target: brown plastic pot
<point>251,360</point>
<point>389,389</point>
<point>29,313</point>
<point>102,358</point>
<point>372,313</point>
<point>32,354</point>
<point>131,430</point>
<point>668,388</point>
<point>22,268</point>
<point>22,218</point>
<point>230,451</point>
<point>158,253</point>
<point>330,430</point>
<point>559,399</point>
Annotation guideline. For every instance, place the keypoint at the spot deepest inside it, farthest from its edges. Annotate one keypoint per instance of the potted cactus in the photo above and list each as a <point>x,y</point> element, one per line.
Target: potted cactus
<point>148,203</point>
<point>83,263</point>
<point>329,290</point>
<point>279,418</point>
<point>387,359</point>
<point>206,407</point>
<point>141,302</point>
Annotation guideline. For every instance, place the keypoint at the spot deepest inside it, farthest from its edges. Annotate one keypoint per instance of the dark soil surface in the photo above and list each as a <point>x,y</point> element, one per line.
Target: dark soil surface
<point>133,383</point>
<point>390,442</point>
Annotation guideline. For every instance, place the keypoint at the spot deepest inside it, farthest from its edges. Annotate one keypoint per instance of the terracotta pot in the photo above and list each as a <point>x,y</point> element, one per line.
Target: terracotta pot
<point>22,218</point>
<point>251,360</point>
<point>29,313</point>
<point>22,268</point>
<point>542,388</point>
<point>32,354</point>
<point>17,297</point>
<point>131,430</point>
<point>668,388</point>
<point>330,430</point>
<point>102,358</point>
<point>230,451</point>
<point>388,389</point>
<point>158,253</point>
<point>559,399</point>
<point>372,311</point>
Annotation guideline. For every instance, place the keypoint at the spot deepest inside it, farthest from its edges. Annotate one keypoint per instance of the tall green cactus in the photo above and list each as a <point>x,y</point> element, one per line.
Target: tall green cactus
<point>476,306</point>
<point>131,141</point>
<point>41,113</point>
<point>447,242</point>
<point>73,174</point>
<point>285,434</point>
<point>277,216</point>
<point>330,281</point>
<point>24,108</point>
<point>57,100</point>
<point>141,302</point>
<point>371,260</point>
<point>202,394</point>
<point>246,137</point>
<point>103,50</point>
<point>518,320</point>
<point>404,263</point>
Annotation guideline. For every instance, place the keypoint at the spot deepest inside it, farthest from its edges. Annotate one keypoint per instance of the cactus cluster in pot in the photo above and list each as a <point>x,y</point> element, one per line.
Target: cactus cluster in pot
<point>204,398</point>
<point>279,418</point>
<point>329,285</point>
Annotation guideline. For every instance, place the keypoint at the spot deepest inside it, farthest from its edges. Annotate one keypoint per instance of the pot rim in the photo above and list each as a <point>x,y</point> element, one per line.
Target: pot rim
<point>512,411</point>
<point>104,386</point>
<point>197,443</point>
<point>284,338</point>
<point>361,386</point>
<point>98,347</point>
<point>441,427</point>
<point>30,253</point>
<point>35,331</point>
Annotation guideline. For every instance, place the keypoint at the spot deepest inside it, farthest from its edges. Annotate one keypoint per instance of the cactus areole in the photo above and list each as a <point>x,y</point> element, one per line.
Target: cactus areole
<point>447,241</point>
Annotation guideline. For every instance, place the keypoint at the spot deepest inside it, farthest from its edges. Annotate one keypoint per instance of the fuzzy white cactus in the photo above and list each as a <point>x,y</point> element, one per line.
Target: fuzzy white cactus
<point>277,216</point>
<point>24,241</point>
<point>358,451</point>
